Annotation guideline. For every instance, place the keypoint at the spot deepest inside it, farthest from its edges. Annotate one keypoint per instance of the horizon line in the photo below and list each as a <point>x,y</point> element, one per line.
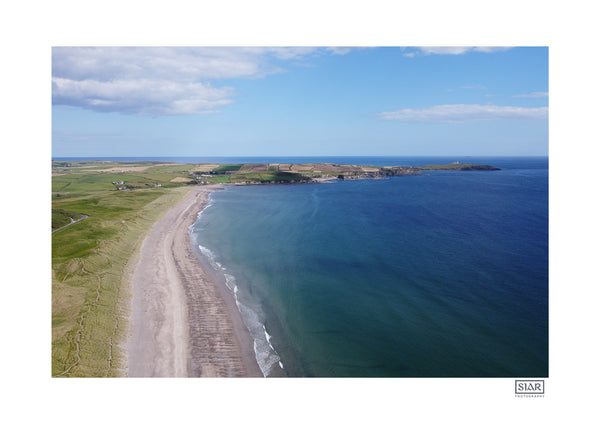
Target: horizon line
<point>273,156</point>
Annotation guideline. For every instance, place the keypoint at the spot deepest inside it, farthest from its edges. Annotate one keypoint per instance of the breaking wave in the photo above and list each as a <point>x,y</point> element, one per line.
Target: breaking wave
<point>266,355</point>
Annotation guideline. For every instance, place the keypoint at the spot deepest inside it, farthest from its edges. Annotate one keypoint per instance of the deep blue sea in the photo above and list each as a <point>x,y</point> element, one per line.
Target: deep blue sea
<point>439,275</point>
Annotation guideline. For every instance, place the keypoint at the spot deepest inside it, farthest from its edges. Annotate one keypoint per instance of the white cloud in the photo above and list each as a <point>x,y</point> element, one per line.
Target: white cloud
<point>536,94</point>
<point>454,50</point>
<point>463,113</point>
<point>141,96</point>
<point>489,49</point>
<point>340,50</point>
<point>444,50</point>
<point>178,63</point>
<point>161,80</point>
<point>286,53</point>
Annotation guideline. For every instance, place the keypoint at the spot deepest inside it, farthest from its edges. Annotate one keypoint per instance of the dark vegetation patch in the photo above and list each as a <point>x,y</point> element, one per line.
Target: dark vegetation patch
<point>61,217</point>
<point>226,168</point>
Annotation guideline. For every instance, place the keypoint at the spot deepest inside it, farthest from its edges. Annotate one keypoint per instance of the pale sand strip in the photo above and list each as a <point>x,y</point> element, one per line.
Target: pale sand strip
<point>182,323</point>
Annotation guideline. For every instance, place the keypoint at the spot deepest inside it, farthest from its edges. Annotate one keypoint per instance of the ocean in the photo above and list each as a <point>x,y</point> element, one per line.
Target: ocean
<point>444,274</point>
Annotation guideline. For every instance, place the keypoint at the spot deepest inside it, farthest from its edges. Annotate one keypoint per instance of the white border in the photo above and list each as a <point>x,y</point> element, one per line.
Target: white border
<point>30,29</point>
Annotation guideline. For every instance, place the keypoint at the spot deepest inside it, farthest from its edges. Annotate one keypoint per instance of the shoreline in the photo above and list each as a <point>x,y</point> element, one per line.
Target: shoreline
<point>183,324</point>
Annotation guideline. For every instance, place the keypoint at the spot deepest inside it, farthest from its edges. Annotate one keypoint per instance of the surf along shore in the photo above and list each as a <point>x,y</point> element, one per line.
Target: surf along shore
<point>183,324</point>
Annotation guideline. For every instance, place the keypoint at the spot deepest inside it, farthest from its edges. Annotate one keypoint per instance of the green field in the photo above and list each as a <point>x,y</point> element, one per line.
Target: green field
<point>77,179</point>
<point>227,168</point>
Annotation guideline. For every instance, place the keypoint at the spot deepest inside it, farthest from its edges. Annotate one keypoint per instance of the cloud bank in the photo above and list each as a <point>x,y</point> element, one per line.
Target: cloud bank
<point>140,96</point>
<point>162,80</point>
<point>464,113</point>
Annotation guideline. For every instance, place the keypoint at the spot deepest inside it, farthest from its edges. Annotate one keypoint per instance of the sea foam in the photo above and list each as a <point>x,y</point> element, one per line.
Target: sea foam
<point>266,355</point>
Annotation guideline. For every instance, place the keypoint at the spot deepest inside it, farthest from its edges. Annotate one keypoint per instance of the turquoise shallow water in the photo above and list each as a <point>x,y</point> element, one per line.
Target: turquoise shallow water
<point>443,274</point>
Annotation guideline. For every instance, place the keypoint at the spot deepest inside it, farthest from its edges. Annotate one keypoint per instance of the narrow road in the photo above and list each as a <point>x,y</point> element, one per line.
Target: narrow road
<point>71,223</point>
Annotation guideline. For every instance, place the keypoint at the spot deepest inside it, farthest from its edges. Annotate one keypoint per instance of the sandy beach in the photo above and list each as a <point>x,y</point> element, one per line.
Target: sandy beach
<point>183,324</point>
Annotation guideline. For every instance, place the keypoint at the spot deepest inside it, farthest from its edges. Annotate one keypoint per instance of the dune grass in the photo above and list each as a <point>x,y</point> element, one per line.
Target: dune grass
<point>91,264</point>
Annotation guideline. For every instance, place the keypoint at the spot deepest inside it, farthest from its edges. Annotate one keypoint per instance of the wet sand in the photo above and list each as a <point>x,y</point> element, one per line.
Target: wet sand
<point>183,324</point>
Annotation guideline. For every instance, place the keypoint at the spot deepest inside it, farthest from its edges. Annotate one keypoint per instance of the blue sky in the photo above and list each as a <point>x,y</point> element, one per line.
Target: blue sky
<point>299,101</point>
